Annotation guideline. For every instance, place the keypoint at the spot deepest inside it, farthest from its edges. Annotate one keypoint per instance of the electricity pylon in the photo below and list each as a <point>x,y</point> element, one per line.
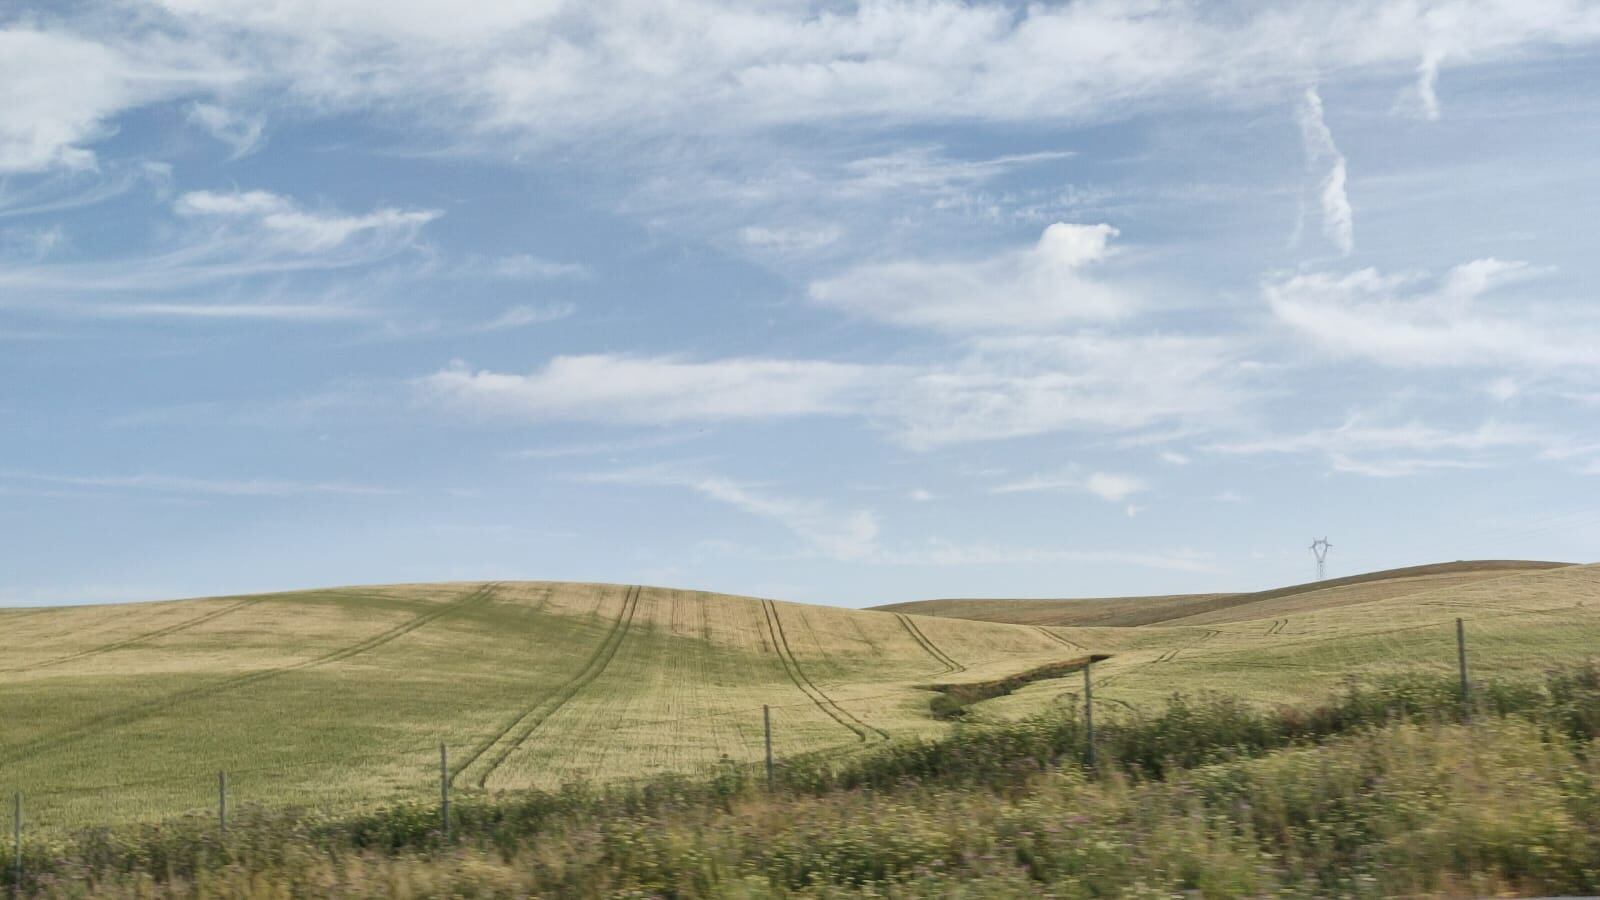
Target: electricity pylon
<point>1319,549</point>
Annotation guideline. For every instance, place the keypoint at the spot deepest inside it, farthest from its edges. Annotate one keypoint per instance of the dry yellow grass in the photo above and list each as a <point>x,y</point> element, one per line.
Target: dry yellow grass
<point>339,698</point>
<point>1199,609</point>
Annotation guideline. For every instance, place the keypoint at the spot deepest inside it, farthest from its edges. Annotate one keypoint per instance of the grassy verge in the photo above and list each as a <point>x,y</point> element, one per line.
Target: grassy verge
<point>1382,792</point>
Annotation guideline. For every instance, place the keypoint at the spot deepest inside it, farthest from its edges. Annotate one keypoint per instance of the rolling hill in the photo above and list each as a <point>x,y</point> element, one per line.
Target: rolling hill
<point>339,698</point>
<point>1198,608</point>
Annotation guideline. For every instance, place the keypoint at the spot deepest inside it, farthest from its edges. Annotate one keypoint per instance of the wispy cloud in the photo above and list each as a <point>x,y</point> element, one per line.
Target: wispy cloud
<point>1412,321</point>
<point>553,73</point>
<point>790,238</point>
<point>1325,160</point>
<point>1002,388</point>
<point>650,390</point>
<point>836,534</point>
<point>177,484</point>
<point>58,91</point>
<point>602,448</point>
<point>524,267</point>
<point>234,237</point>
<point>1108,486</point>
<point>853,535</point>
<point>242,133</point>
<point>947,553</point>
<point>1042,286</point>
<point>1363,447</point>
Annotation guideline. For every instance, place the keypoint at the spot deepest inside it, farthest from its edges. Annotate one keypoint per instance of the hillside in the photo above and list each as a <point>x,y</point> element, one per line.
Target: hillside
<point>1205,608</point>
<point>339,698</point>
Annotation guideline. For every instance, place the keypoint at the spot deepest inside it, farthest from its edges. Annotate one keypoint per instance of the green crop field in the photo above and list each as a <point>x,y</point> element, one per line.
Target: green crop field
<point>339,698</point>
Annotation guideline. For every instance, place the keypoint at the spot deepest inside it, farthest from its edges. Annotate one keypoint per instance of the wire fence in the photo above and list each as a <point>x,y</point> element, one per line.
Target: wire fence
<point>1485,642</point>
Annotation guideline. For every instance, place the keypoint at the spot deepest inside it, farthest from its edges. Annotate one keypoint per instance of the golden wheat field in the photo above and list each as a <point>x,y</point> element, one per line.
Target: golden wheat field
<point>340,698</point>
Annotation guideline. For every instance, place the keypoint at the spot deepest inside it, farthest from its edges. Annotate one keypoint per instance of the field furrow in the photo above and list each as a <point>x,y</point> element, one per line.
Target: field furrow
<point>136,639</point>
<point>801,680</point>
<point>516,733</point>
<point>939,656</point>
<point>132,714</point>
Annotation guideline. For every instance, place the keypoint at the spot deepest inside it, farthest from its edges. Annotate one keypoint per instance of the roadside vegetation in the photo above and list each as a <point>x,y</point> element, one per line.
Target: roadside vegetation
<point>1382,790</point>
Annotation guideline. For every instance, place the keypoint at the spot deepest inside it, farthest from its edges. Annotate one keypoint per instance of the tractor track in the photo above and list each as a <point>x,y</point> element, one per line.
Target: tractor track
<point>1277,626</point>
<point>791,664</point>
<point>1172,654</point>
<point>1059,639</point>
<point>149,708</point>
<point>530,719</point>
<point>951,667</point>
<point>136,639</point>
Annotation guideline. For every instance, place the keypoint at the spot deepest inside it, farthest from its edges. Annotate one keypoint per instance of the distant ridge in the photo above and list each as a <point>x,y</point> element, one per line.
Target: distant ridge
<point>1212,608</point>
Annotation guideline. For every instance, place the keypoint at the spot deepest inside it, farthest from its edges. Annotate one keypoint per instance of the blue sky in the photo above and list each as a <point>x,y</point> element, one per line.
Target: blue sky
<point>844,303</point>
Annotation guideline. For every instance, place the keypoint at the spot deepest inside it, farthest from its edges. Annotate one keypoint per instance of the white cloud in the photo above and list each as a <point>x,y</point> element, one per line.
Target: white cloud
<point>1409,321</point>
<point>522,317</point>
<point>1015,387</point>
<point>602,448</point>
<point>921,495</point>
<point>929,170</point>
<point>1112,487</point>
<point>184,485</point>
<point>551,70</point>
<point>853,535</point>
<point>1003,388</point>
<point>1108,486</point>
<point>1385,451</point>
<point>232,236</point>
<point>299,230</point>
<point>66,190</point>
<point>944,553</point>
<point>651,390</point>
<point>526,267</point>
<point>284,312</point>
<point>848,535</point>
<point>1323,156</point>
<point>242,133</point>
<point>59,91</point>
<point>1173,458</point>
<point>1042,286</point>
<point>779,239</point>
<point>1428,84</point>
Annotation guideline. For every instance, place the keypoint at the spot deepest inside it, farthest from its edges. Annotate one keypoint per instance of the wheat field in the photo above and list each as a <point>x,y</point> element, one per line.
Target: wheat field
<point>338,699</point>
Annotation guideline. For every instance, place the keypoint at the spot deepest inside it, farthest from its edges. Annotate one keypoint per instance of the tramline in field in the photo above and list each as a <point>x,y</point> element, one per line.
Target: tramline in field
<point>339,698</point>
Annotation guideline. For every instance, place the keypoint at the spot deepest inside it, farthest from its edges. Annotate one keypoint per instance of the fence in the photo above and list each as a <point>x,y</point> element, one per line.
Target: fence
<point>768,761</point>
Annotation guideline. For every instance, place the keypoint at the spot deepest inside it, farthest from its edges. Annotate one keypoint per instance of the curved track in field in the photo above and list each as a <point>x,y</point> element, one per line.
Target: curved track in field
<point>951,667</point>
<point>797,674</point>
<point>1172,654</point>
<point>1059,639</point>
<point>130,714</point>
<point>519,729</point>
<point>136,639</point>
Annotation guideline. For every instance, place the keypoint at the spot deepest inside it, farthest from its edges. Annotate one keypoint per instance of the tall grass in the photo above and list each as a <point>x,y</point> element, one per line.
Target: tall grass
<point>1382,792</point>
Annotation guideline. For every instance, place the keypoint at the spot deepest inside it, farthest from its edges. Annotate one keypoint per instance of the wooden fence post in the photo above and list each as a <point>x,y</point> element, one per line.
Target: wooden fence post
<point>1088,713</point>
<point>766,725</point>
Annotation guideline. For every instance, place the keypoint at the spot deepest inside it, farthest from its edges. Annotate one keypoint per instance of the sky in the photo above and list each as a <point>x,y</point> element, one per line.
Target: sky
<point>846,303</point>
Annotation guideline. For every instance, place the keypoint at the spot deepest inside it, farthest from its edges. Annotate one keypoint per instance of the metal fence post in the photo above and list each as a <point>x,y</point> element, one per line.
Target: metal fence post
<point>1088,714</point>
<point>1461,656</point>
<point>766,725</point>
<point>444,789</point>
